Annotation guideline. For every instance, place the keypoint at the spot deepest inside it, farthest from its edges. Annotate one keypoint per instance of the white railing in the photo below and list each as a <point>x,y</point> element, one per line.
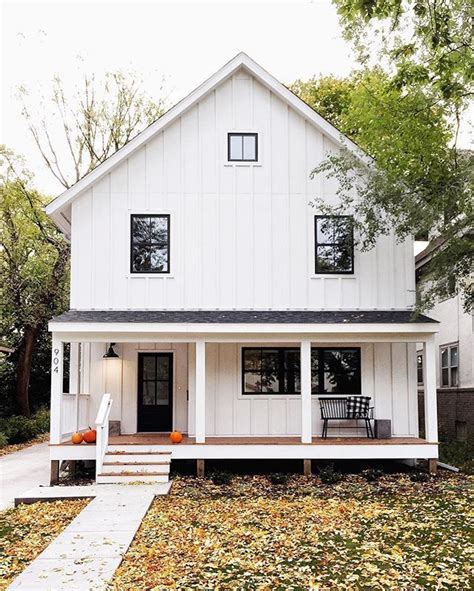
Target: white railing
<point>74,414</point>
<point>102,427</point>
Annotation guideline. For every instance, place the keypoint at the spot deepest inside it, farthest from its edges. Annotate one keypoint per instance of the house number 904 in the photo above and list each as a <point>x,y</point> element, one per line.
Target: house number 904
<point>56,360</point>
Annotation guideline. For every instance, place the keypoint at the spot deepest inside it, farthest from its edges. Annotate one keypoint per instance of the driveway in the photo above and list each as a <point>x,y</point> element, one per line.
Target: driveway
<point>21,471</point>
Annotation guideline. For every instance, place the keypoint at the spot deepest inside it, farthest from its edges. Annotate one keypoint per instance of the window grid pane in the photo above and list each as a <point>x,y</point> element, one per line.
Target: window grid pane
<point>277,371</point>
<point>334,249</point>
<point>242,147</point>
<point>150,243</point>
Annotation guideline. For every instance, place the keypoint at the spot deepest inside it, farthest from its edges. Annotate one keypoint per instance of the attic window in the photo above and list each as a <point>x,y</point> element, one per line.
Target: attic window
<point>242,147</point>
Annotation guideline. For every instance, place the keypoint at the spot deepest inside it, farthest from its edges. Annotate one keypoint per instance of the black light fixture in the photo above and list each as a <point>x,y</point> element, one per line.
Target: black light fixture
<point>111,354</point>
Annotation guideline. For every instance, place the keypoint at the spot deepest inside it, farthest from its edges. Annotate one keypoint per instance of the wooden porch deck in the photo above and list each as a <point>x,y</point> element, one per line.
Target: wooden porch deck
<point>163,439</point>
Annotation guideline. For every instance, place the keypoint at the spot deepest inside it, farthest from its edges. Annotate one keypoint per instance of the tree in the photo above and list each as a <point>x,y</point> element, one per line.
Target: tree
<point>34,263</point>
<point>79,130</point>
<point>406,116</point>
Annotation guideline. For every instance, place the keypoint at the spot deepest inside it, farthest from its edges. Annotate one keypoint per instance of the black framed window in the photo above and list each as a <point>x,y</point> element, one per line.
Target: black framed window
<point>334,244</point>
<point>242,147</point>
<point>150,243</point>
<point>276,370</point>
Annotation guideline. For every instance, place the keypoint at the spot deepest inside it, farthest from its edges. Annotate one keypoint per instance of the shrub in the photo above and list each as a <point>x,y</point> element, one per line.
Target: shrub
<point>278,477</point>
<point>419,476</point>
<point>3,439</point>
<point>18,429</point>
<point>372,474</point>
<point>329,475</point>
<point>221,477</point>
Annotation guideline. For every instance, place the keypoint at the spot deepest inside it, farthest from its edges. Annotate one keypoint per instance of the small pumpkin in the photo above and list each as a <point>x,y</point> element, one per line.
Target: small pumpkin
<point>176,437</point>
<point>90,436</point>
<point>77,438</point>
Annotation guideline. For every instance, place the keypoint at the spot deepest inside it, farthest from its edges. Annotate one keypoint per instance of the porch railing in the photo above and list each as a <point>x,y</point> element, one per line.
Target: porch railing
<point>74,413</point>
<point>102,427</point>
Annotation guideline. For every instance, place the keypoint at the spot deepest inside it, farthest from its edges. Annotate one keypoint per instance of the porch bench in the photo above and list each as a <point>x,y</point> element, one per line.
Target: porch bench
<point>338,409</point>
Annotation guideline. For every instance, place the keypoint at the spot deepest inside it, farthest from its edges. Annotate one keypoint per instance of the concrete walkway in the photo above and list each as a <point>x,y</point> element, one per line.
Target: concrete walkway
<point>87,553</point>
<point>22,470</point>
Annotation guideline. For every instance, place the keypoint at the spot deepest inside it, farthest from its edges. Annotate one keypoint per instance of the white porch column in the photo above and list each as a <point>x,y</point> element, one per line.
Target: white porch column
<point>305,367</point>
<point>429,379</point>
<point>200,398</point>
<point>57,361</point>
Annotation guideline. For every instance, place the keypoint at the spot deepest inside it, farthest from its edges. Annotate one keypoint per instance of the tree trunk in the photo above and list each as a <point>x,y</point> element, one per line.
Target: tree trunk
<point>23,370</point>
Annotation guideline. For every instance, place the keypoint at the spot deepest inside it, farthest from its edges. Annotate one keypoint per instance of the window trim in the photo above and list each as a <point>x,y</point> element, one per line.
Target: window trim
<point>150,215</point>
<point>447,347</point>
<point>281,372</point>
<point>316,244</point>
<point>242,134</point>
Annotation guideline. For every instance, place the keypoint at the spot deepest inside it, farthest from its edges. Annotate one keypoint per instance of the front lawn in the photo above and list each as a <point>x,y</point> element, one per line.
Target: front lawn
<point>388,534</point>
<point>27,530</point>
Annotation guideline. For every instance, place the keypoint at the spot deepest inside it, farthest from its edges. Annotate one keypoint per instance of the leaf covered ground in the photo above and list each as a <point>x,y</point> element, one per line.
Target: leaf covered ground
<point>27,530</point>
<point>354,535</point>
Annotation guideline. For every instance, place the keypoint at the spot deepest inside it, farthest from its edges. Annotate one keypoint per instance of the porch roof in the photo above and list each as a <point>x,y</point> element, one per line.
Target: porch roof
<point>245,316</point>
<point>242,325</point>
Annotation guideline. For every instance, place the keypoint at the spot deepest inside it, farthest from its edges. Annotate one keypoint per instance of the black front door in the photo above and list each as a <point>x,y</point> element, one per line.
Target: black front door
<point>155,392</point>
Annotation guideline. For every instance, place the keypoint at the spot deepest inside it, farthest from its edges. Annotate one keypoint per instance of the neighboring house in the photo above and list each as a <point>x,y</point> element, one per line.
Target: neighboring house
<point>209,297</point>
<point>454,360</point>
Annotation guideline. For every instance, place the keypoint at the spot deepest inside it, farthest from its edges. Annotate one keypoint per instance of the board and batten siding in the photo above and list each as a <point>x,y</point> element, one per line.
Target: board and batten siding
<point>242,235</point>
<point>388,377</point>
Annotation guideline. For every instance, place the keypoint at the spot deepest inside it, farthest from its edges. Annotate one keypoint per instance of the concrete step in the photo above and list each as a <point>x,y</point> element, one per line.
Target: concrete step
<point>136,458</point>
<point>111,478</point>
<point>136,467</point>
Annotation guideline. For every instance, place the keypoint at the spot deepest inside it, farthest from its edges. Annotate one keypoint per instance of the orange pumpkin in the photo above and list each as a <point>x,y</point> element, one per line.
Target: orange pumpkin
<point>176,437</point>
<point>77,438</point>
<point>90,436</point>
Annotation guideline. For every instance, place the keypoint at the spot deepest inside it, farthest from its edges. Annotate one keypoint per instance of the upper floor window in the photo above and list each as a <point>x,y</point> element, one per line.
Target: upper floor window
<point>334,244</point>
<point>449,366</point>
<point>242,147</point>
<point>276,370</point>
<point>150,243</point>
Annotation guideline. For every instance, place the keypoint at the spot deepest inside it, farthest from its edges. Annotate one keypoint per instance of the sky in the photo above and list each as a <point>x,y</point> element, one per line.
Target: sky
<point>185,42</point>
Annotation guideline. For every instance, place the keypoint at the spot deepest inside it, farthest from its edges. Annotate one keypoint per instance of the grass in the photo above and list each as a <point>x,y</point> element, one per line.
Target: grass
<point>248,534</point>
<point>27,530</point>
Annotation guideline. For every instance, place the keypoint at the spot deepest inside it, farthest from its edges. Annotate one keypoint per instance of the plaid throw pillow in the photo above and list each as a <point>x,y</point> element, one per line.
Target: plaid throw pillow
<point>357,407</point>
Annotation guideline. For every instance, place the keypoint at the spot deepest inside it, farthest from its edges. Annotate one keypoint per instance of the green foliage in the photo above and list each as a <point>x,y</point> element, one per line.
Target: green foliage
<point>459,454</point>
<point>18,429</point>
<point>221,477</point>
<point>418,185</point>
<point>279,477</point>
<point>329,475</point>
<point>372,474</point>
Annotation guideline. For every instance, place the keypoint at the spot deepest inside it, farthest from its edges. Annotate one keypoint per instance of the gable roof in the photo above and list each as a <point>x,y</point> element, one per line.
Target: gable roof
<point>57,209</point>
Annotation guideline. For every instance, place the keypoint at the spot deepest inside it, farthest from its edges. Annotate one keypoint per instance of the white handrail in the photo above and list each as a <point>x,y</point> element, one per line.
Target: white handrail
<point>102,428</point>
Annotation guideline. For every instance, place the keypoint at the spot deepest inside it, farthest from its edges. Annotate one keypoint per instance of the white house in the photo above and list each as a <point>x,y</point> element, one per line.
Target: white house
<point>232,306</point>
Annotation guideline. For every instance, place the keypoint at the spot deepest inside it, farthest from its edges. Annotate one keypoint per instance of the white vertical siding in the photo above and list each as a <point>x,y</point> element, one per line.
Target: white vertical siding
<point>242,235</point>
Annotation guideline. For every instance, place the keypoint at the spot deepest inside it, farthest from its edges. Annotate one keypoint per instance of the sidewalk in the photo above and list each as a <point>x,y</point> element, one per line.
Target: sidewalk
<point>21,471</point>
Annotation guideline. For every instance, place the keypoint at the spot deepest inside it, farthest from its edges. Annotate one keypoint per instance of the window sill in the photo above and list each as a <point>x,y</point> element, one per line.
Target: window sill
<point>333,276</point>
<point>153,275</point>
<point>243,164</point>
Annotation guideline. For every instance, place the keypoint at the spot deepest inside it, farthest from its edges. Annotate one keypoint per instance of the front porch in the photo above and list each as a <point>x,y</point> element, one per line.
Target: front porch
<point>207,395</point>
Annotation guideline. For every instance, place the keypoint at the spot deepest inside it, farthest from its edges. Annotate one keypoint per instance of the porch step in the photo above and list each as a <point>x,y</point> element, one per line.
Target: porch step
<point>111,478</point>
<point>133,448</point>
<point>134,466</point>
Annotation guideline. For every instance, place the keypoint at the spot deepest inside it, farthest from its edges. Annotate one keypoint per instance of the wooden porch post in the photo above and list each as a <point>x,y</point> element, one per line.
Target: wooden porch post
<point>57,360</point>
<point>429,378</point>
<point>200,398</point>
<point>306,418</point>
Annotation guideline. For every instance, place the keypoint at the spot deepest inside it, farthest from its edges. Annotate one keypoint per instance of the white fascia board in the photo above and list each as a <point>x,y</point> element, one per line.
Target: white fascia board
<point>240,60</point>
<point>242,329</point>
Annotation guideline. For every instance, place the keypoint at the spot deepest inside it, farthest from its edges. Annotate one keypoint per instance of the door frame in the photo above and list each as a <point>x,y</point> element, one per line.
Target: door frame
<point>173,384</point>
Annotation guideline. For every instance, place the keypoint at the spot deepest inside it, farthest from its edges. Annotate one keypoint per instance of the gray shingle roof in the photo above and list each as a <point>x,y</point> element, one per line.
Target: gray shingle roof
<point>244,316</point>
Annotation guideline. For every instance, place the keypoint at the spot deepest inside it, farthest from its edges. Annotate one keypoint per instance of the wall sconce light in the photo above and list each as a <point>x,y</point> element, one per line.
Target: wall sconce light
<point>111,354</point>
